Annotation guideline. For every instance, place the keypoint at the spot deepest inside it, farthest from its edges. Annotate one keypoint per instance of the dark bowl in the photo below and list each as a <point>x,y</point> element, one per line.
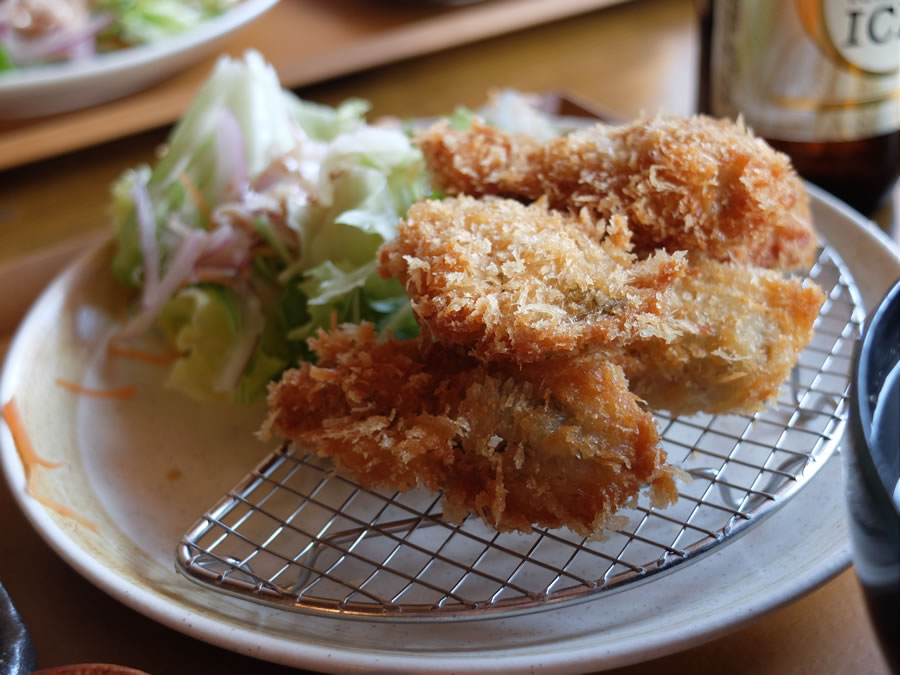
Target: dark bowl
<point>872,470</point>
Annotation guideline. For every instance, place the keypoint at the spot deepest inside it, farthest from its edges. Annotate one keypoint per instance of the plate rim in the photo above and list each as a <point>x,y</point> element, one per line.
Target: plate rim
<point>254,642</point>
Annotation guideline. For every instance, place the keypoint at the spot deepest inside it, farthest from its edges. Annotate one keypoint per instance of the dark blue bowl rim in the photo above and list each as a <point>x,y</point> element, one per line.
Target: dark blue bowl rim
<point>876,354</point>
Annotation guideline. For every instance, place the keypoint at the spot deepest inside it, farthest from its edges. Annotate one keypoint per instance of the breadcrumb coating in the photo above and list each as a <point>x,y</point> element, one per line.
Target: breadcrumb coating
<point>509,281</point>
<point>644,270</point>
<point>741,330</point>
<point>706,186</point>
<point>558,443</point>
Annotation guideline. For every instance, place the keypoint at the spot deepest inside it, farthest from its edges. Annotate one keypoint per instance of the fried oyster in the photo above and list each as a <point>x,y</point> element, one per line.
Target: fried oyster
<point>557,443</point>
<point>740,330</point>
<point>562,289</point>
<point>696,184</point>
<point>514,282</point>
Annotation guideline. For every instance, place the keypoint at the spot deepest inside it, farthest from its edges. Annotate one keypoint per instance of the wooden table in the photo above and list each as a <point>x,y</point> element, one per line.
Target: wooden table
<point>623,59</point>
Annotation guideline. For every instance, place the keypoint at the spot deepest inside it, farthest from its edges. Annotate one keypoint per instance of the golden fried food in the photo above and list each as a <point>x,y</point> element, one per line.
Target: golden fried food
<point>558,443</point>
<point>741,331</point>
<point>634,275</point>
<point>516,282</point>
<point>697,184</point>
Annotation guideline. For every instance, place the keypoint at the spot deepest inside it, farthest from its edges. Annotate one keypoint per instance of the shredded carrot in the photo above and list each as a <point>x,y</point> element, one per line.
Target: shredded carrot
<point>63,510</point>
<point>114,349</point>
<point>31,460</point>
<point>196,195</point>
<point>121,392</point>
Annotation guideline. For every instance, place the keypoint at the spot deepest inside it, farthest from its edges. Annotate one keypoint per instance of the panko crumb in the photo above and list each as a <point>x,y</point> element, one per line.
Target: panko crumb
<point>560,443</point>
<point>696,184</point>
<point>515,282</point>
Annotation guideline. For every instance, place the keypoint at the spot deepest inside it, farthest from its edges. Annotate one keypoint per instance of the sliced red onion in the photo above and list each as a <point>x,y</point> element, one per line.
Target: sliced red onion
<point>231,154</point>
<point>59,42</point>
<point>146,223</point>
<point>227,247</point>
<point>186,255</point>
<point>270,177</point>
<point>179,229</point>
<point>82,51</point>
<point>283,167</point>
<point>222,239</point>
<point>190,249</point>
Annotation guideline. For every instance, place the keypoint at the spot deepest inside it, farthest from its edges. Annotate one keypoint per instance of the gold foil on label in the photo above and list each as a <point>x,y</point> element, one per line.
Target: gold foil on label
<point>826,106</point>
<point>808,70</point>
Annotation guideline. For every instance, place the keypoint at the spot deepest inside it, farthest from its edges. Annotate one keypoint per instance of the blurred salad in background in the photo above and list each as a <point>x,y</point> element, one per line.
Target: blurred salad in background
<point>257,225</point>
<point>33,32</point>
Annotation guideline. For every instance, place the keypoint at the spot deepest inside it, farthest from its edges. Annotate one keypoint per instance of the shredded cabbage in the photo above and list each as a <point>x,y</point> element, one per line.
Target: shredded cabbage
<point>259,225</point>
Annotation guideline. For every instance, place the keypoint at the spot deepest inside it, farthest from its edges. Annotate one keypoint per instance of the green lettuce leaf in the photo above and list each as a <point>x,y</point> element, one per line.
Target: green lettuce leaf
<point>202,323</point>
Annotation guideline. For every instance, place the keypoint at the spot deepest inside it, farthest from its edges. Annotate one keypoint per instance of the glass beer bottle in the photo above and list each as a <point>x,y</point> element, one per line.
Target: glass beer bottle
<point>818,79</point>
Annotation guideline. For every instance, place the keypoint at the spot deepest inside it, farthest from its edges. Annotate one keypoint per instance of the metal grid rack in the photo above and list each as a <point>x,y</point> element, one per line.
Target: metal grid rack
<point>295,535</point>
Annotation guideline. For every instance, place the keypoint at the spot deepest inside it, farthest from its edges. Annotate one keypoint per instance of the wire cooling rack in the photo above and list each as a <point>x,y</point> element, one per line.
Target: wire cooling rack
<point>296,535</point>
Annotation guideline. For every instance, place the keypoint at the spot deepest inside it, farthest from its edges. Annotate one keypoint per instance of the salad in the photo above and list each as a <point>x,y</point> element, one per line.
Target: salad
<point>259,225</point>
<point>260,222</point>
<point>43,31</point>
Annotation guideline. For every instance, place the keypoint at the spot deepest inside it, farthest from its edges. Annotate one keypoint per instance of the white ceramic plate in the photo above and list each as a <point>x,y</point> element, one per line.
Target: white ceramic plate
<point>143,469</point>
<point>59,87</point>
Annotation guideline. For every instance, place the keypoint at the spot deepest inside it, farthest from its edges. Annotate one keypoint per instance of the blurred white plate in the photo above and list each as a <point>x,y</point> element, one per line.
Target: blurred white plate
<point>143,469</point>
<point>59,87</point>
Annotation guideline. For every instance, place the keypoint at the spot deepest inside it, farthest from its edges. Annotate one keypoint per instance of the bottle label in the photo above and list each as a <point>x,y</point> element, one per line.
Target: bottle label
<point>808,70</point>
